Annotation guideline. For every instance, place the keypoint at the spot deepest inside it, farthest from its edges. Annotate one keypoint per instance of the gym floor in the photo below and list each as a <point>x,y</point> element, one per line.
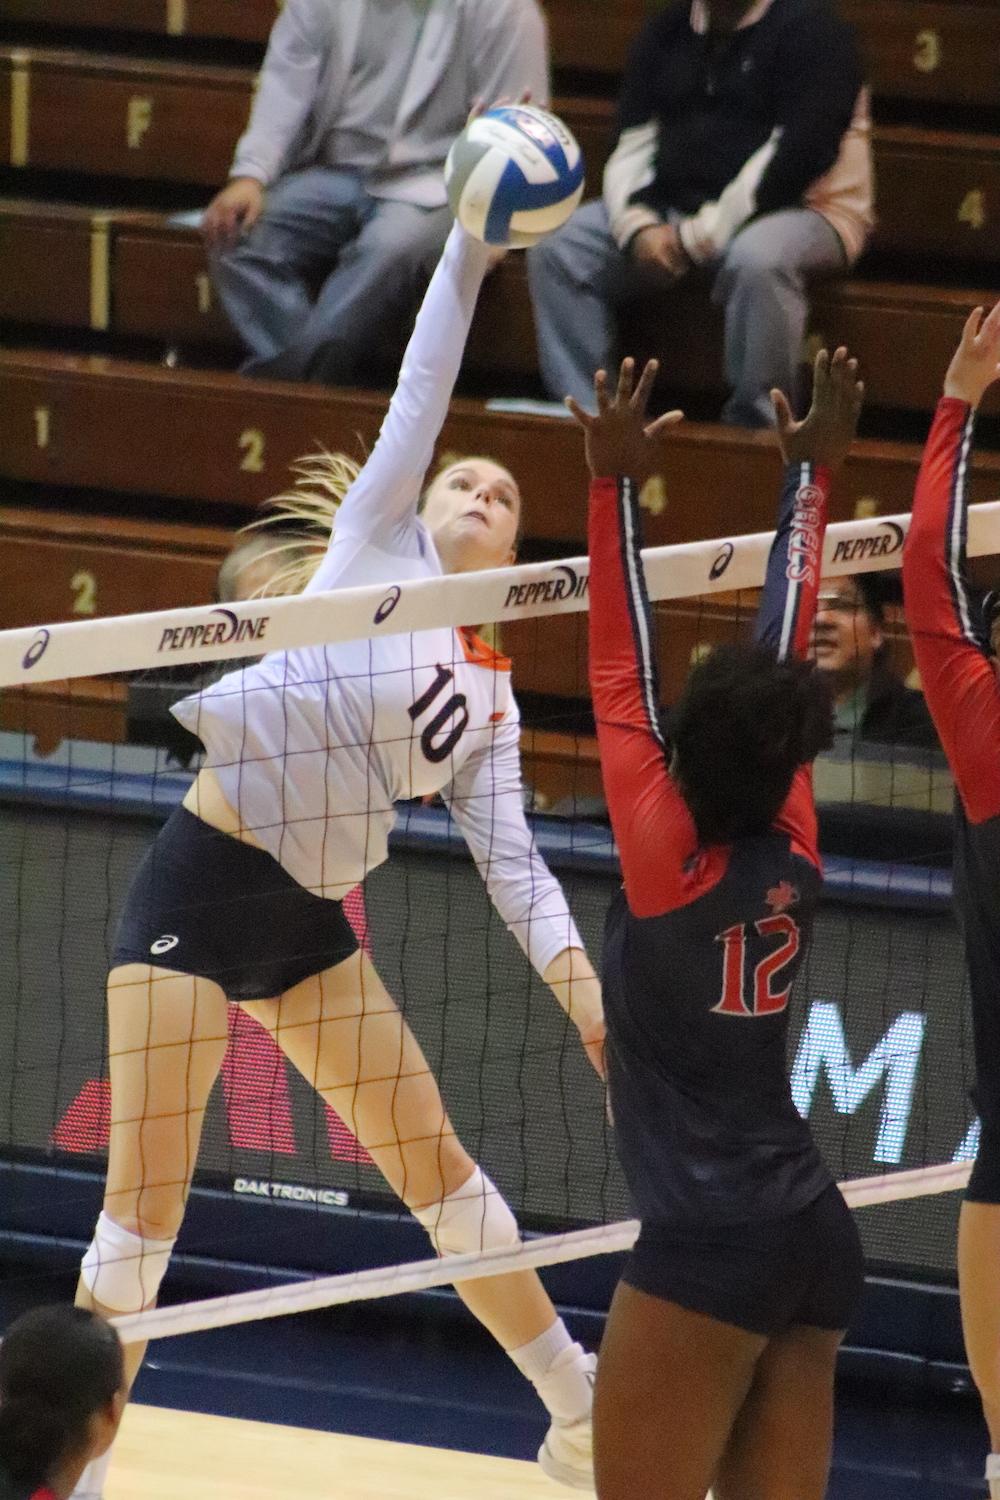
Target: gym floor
<point>420,1371</point>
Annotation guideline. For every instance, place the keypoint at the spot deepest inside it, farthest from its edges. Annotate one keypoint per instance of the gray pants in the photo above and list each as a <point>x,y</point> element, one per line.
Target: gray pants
<point>324,274</point>
<point>579,279</point>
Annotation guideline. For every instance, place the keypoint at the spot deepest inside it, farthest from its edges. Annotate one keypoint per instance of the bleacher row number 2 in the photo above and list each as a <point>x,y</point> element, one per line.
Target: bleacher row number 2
<point>251,443</point>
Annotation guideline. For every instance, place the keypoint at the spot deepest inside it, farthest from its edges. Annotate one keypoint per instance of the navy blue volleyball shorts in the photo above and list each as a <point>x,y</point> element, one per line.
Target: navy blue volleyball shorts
<point>764,1277</point>
<point>205,903</point>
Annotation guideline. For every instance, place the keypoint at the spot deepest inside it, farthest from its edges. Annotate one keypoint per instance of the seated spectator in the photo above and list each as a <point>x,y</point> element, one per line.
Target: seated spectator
<point>871,701</point>
<point>743,156</point>
<point>335,212</point>
<point>62,1394</point>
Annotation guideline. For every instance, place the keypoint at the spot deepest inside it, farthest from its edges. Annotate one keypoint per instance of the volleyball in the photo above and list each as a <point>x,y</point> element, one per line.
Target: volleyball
<point>514,175</point>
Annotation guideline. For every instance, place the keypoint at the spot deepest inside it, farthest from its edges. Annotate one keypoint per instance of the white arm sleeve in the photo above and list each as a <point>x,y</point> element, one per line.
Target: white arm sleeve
<point>486,802</point>
<point>286,90</point>
<point>707,233</point>
<point>384,496</point>
<point>631,166</point>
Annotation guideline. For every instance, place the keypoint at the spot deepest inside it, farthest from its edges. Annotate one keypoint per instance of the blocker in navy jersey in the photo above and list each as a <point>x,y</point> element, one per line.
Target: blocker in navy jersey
<point>703,943</point>
<point>514,175</point>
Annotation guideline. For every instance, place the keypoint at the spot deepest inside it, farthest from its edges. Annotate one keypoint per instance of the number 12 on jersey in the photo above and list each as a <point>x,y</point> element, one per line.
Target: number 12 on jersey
<point>749,993</point>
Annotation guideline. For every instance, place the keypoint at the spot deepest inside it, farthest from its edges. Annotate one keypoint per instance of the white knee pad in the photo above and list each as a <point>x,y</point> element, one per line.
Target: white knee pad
<point>122,1271</point>
<point>474,1217</point>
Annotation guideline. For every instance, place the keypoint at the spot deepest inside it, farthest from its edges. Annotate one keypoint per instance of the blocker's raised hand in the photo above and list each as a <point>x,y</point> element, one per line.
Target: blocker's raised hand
<point>976,362</point>
<point>825,434</point>
<point>619,442</point>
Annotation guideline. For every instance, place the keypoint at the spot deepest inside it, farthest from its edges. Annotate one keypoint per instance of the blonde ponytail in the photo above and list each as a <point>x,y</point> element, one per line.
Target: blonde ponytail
<point>303,518</point>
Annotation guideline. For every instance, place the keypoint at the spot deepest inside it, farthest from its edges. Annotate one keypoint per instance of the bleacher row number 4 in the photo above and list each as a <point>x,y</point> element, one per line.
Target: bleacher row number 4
<point>138,119</point>
<point>927,51</point>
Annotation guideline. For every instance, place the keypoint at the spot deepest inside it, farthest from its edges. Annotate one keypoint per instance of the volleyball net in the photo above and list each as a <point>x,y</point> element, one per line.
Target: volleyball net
<point>91,763</point>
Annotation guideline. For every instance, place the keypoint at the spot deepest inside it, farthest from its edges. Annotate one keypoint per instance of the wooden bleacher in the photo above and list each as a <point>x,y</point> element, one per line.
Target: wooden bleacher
<point>943,52</point>
<point>116,425</point>
<point>131,281</point>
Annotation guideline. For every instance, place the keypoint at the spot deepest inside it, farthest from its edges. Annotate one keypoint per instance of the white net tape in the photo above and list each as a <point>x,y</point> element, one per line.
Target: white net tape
<point>137,642</point>
<point>174,637</point>
<point>419,1276</point>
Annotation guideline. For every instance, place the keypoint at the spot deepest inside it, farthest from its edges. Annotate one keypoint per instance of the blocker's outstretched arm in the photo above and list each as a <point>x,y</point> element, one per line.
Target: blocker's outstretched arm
<point>952,649</point>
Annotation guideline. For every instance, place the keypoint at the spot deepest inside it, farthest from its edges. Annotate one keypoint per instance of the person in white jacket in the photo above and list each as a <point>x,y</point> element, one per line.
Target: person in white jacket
<point>335,210</point>
<point>240,898</point>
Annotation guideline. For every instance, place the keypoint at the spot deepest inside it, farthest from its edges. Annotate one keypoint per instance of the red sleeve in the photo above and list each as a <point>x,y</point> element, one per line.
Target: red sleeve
<point>662,866</point>
<point>956,670</point>
<point>787,612</point>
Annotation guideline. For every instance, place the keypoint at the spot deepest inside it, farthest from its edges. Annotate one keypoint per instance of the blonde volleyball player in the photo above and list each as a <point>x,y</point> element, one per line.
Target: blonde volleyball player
<point>239,900</point>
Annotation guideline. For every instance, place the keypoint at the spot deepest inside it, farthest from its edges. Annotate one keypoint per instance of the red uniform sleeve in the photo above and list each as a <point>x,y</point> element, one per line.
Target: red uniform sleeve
<point>958,675</point>
<point>662,866</point>
<point>787,612</point>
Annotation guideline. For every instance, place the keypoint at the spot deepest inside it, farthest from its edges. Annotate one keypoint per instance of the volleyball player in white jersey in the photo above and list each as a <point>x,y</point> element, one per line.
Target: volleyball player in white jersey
<point>239,900</point>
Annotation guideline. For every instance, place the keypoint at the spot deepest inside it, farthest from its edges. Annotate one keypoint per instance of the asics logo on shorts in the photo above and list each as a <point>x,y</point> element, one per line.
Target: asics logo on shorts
<point>164,944</point>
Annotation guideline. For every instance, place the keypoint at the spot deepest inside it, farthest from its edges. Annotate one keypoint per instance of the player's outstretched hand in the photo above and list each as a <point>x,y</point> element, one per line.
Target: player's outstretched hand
<point>976,363</point>
<point>619,441</point>
<point>825,434</point>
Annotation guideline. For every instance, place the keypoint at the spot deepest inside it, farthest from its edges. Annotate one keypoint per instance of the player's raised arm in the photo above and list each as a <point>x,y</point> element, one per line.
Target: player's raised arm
<point>386,492</point>
<point>648,814</point>
<point>813,450</point>
<point>950,639</point>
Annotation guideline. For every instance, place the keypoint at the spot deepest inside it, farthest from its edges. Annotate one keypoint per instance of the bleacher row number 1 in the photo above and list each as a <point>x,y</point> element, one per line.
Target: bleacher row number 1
<point>43,426</point>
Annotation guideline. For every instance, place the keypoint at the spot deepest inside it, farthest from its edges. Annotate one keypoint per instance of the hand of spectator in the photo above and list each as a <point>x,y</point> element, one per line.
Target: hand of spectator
<point>976,363</point>
<point>658,248</point>
<point>619,440</point>
<point>233,211</point>
<point>826,433</point>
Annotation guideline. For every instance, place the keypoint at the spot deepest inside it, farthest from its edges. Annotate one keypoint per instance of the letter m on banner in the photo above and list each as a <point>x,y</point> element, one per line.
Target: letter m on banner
<point>892,1063</point>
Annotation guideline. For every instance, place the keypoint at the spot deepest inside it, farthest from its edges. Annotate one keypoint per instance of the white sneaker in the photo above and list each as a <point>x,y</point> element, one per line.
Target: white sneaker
<point>567,1454</point>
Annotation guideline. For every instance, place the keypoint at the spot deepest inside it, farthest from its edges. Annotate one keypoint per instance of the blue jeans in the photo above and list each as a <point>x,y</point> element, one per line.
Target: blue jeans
<point>325,272</point>
<point>579,278</point>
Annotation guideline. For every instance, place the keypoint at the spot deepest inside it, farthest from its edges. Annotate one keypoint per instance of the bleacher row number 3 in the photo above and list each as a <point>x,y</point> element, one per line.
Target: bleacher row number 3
<point>927,51</point>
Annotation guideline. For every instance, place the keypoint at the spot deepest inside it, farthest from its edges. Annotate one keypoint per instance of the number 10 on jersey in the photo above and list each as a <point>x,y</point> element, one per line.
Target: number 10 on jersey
<point>750,993</point>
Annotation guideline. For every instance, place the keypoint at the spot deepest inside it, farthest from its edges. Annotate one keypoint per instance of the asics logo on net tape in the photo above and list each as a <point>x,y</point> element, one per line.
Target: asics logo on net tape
<point>566,584</point>
<point>722,562</point>
<point>164,944</point>
<point>388,604</point>
<point>36,650</point>
<point>224,630</point>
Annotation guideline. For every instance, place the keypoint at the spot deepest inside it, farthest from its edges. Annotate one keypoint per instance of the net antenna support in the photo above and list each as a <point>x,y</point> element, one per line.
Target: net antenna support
<point>170,638</point>
<point>418,1276</point>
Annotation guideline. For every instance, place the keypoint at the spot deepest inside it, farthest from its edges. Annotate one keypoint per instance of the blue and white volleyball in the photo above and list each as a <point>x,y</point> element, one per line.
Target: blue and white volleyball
<point>514,175</point>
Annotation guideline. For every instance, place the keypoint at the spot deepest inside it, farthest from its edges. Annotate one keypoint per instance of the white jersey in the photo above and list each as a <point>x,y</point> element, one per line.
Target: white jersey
<point>314,747</point>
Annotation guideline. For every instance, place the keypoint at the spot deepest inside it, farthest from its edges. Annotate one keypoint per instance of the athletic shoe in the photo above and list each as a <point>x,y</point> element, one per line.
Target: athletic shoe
<point>567,1454</point>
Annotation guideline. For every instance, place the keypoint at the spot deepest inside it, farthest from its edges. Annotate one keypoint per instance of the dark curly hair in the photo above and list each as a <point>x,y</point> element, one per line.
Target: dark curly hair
<point>744,724</point>
<point>58,1367</point>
